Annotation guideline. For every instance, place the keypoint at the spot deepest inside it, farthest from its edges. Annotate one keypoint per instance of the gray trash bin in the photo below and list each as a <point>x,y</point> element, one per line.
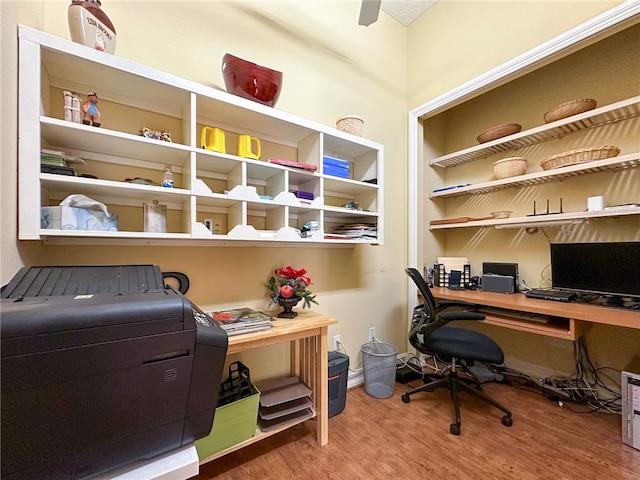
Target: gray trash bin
<point>379,368</point>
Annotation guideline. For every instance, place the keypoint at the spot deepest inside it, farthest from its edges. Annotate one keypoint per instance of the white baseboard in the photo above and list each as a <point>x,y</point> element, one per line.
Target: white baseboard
<point>355,379</point>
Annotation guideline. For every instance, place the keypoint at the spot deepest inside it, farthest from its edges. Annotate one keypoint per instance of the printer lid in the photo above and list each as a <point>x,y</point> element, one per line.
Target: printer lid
<point>45,308</point>
<point>83,279</point>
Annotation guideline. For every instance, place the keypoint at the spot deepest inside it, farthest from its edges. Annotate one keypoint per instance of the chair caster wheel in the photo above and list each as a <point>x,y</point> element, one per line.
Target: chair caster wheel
<point>454,428</point>
<point>507,421</point>
<point>405,398</point>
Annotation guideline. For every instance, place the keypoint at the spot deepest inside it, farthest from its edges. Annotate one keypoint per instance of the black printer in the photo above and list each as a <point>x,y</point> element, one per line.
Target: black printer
<point>102,366</point>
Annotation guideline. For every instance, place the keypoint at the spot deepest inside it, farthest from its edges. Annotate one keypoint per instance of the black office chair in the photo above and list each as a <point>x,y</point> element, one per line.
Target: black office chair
<point>457,346</point>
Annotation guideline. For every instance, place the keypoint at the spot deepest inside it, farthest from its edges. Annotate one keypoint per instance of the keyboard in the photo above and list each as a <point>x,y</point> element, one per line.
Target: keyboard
<point>551,294</point>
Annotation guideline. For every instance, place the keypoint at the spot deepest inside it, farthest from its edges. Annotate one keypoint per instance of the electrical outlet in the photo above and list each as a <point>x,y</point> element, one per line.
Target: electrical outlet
<point>372,333</point>
<point>336,342</point>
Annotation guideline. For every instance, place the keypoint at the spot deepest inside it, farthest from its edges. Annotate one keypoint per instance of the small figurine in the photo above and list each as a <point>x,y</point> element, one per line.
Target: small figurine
<point>165,136</point>
<point>90,109</point>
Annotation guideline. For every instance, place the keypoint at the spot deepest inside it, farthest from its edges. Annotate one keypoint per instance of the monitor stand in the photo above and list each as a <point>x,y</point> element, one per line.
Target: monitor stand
<point>609,301</point>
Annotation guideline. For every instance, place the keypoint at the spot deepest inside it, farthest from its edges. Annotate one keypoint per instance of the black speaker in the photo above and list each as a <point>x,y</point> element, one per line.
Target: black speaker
<point>504,269</point>
<point>497,283</point>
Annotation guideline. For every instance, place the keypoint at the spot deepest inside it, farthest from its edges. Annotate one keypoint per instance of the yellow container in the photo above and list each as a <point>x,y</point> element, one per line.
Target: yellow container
<point>232,424</point>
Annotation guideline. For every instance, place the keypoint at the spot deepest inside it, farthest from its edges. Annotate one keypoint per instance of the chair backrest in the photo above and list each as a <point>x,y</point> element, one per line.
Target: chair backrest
<point>423,314</point>
<point>427,297</point>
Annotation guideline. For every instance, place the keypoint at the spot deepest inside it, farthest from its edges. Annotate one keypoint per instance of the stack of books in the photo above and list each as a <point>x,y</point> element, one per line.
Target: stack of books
<point>242,320</point>
<point>357,230</point>
<point>58,162</point>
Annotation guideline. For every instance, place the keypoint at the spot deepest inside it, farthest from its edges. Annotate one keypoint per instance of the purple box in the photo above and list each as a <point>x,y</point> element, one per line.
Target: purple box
<point>303,195</point>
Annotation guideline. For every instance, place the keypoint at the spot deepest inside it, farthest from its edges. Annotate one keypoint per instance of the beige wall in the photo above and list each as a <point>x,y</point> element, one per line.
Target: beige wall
<point>331,67</point>
<point>585,73</point>
<point>459,40</point>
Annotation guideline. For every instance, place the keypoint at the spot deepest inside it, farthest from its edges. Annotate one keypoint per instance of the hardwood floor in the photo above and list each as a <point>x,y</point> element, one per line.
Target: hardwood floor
<point>387,439</point>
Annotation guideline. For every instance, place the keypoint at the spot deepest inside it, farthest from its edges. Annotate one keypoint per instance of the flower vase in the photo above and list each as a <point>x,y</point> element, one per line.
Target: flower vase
<point>288,304</point>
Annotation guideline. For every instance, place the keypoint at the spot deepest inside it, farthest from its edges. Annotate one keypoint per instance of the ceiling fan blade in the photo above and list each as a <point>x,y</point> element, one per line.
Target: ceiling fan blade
<point>369,11</point>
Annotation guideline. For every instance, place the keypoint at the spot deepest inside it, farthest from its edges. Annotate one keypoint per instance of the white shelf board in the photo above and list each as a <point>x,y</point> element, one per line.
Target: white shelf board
<point>348,212</point>
<point>68,135</point>
<point>71,185</point>
<point>348,186</point>
<point>532,221</point>
<point>609,164</point>
<point>130,239</point>
<point>600,116</point>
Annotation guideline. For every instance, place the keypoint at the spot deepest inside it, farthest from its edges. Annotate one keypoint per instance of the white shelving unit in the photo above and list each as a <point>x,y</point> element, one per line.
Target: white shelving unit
<point>606,115</point>
<point>252,200</point>
<point>613,113</point>
<point>543,220</point>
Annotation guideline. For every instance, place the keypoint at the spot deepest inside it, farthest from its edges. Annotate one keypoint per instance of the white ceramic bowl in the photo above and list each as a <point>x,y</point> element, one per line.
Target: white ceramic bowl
<point>502,214</point>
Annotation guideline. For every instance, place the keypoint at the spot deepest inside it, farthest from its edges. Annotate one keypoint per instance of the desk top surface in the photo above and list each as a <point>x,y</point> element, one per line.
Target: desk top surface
<point>622,317</point>
<point>306,324</point>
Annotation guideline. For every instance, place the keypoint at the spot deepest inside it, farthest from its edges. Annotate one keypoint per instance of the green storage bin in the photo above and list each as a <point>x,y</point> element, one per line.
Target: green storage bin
<point>232,424</point>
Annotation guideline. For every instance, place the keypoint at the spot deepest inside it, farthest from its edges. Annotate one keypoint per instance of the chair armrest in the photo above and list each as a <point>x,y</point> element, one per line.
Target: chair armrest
<point>454,303</point>
<point>461,315</point>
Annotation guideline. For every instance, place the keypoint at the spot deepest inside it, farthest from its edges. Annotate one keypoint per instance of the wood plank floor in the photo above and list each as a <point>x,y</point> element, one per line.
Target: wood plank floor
<point>387,439</point>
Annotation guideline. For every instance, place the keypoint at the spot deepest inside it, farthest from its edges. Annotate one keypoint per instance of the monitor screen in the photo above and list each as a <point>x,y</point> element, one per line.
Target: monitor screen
<point>603,268</point>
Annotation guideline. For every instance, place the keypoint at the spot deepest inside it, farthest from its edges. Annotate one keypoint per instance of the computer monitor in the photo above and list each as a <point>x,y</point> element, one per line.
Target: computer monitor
<point>600,268</point>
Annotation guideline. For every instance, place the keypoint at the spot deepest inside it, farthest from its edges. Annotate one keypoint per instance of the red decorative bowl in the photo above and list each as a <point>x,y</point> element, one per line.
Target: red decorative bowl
<point>251,81</point>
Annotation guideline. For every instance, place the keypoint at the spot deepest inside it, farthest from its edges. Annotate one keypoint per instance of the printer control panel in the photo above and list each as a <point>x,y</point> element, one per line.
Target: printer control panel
<point>201,317</point>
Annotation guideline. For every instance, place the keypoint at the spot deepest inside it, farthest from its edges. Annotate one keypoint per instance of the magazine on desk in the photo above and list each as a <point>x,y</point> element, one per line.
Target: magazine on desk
<point>242,320</point>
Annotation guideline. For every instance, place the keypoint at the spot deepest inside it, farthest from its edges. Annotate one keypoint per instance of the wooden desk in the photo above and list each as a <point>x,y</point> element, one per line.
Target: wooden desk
<point>569,322</point>
<point>307,334</point>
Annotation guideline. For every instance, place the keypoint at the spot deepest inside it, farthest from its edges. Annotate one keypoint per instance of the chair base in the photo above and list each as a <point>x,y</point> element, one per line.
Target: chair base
<point>455,384</point>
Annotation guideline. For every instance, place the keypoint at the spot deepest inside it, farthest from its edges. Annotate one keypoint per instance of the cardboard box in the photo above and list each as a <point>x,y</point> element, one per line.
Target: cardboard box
<point>232,424</point>
<point>73,218</point>
<point>335,167</point>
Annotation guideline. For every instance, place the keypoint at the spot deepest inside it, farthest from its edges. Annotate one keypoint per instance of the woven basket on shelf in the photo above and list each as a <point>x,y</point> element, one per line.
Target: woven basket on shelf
<point>351,124</point>
<point>581,155</point>
<point>509,167</point>
<point>499,131</point>
<point>568,109</point>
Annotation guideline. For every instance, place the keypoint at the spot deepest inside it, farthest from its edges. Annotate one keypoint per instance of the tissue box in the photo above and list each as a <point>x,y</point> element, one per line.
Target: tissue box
<point>335,167</point>
<point>73,218</point>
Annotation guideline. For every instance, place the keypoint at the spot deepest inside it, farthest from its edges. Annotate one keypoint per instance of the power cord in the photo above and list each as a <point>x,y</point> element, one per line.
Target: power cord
<point>411,361</point>
<point>586,387</point>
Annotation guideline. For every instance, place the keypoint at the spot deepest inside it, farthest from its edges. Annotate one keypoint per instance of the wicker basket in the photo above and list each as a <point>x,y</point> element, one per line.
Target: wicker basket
<point>568,109</point>
<point>509,167</point>
<point>351,124</point>
<point>581,155</point>
<point>499,131</point>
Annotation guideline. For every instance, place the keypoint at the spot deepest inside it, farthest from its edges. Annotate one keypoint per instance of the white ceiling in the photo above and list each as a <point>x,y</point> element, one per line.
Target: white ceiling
<point>406,11</point>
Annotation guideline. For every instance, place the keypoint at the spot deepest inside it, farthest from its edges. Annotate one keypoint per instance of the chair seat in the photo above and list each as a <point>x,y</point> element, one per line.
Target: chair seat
<point>464,343</point>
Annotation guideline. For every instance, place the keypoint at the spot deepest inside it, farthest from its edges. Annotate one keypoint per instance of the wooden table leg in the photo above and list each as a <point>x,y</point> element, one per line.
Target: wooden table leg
<point>322,388</point>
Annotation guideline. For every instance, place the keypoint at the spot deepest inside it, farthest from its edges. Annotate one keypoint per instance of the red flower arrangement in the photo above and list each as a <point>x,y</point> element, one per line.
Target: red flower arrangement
<point>288,282</point>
